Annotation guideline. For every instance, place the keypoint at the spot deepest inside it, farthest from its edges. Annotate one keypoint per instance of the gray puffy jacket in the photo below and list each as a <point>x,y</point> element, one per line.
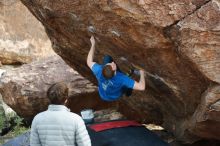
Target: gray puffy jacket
<point>58,127</point>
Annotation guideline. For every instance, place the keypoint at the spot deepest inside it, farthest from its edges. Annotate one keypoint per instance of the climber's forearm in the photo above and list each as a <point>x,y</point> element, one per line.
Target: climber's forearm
<point>142,79</point>
<point>141,84</point>
<point>90,56</point>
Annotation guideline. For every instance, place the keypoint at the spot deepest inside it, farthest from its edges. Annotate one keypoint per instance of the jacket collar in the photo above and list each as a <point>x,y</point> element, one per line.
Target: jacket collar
<point>53,107</point>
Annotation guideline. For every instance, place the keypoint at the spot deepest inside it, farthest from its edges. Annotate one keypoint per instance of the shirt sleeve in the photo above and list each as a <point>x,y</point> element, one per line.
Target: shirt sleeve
<point>34,137</point>
<point>128,82</point>
<point>82,136</point>
<point>96,69</point>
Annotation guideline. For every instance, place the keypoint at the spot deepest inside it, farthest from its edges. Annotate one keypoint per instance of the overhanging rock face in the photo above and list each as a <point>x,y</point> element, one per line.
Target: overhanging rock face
<point>176,42</point>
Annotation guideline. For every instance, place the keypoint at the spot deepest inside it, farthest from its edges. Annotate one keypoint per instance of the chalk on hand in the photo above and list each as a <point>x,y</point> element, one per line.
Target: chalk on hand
<point>91,29</point>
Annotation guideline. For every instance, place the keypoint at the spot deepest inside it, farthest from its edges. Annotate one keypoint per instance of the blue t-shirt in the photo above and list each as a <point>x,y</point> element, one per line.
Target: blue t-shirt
<point>111,89</point>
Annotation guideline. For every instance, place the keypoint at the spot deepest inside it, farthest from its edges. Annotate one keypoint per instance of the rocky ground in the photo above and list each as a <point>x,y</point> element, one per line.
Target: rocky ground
<point>113,114</point>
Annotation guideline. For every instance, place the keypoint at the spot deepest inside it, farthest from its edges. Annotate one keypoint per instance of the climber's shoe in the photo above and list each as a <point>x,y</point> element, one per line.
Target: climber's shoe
<point>138,67</point>
<point>124,65</point>
<point>129,68</point>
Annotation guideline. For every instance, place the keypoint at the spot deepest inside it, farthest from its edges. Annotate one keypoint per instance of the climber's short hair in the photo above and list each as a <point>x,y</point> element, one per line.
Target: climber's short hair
<point>58,93</point>
<point>107,72</point>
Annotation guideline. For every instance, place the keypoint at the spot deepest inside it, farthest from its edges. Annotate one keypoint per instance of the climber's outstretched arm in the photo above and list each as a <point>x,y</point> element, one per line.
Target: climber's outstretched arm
<point>141,84</point>
<point>90,57</point>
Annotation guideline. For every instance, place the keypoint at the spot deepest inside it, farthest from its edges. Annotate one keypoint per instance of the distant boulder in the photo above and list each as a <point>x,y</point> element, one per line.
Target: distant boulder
<point>24,88</point>
<point>22,37</point>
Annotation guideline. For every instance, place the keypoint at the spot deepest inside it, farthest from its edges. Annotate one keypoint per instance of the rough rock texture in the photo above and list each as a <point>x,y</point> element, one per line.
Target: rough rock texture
<point>24,88</point>
<point>199,39</point>
<point>22,37</point>
<point>175,41</point>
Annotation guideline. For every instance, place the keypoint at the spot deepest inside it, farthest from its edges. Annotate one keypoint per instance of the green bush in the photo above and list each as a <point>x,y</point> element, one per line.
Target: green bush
<point>14,122</point>
<point>2,119</point>
<point>19,127</point>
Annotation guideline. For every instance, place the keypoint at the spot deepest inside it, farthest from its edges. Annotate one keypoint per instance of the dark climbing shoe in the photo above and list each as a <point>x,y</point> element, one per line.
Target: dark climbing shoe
<point>134,72</point>
<point>124,65</point>
<point>129,68</point>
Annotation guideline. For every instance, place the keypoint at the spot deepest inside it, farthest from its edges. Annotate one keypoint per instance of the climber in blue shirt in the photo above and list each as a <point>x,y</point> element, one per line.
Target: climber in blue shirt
<point>112,83</point>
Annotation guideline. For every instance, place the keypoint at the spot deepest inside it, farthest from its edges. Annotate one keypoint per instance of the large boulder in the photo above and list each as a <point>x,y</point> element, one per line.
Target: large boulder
<point>176,42</point>
<point>22,37</point>
<point>24,89</point>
